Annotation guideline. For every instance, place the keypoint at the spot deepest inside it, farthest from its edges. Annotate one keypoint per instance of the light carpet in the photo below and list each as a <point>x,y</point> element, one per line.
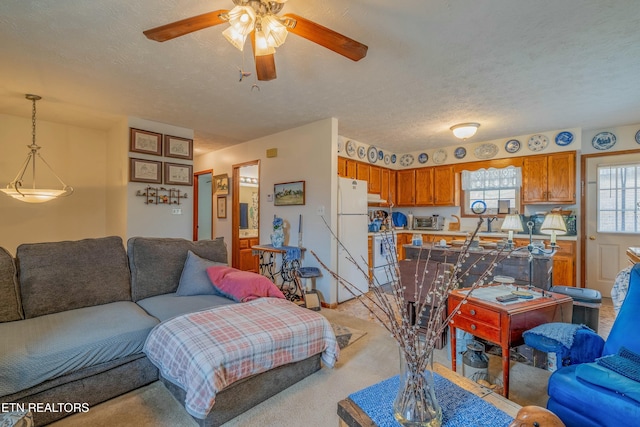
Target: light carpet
<point>313,401</point>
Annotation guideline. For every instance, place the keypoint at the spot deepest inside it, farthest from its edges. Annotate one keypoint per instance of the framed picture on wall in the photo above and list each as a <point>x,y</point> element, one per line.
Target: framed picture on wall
<point>221,184</point>
<point>143,141</point>
<point>175,146</point>
<point>141,170</point>
<point>222,206</point>
<point>288,193</point>
<point>178,174</point>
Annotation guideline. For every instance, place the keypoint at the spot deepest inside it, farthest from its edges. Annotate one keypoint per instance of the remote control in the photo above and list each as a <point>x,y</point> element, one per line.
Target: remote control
<point>506,298</point>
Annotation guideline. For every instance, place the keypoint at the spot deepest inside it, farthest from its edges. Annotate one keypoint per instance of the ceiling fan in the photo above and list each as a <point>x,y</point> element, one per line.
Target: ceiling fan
<point>258,20</point>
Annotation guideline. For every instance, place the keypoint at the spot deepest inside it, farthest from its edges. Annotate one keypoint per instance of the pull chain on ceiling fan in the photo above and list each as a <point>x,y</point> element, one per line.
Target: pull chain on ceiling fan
<point>258,20</point>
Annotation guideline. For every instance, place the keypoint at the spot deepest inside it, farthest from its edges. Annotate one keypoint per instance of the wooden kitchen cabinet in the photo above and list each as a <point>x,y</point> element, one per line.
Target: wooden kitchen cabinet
<point>247,260</point>
<point>406,184</point>
<point>434,186</point>
<point>445,188</point>
<point>346,168</point>
<point>362,171</point>
<point>564,264</point>
<point>384,186</point>
<point>424,187</point>
<point>393,188</point>
<point>375,182</point>
<point>549,178</point>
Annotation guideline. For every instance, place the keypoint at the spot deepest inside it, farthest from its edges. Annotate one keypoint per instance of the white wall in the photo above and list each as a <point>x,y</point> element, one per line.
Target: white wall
<point>158,220</point>
<point>307,153</point>
<point>79,156</point>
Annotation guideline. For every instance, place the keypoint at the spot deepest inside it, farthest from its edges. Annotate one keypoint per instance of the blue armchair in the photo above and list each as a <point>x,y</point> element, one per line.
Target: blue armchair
<point>589,395</point>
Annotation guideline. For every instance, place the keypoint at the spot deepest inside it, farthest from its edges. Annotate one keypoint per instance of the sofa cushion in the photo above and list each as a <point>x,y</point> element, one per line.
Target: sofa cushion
<point>166,306</point>
<point>156,263</point>
<point>194,280</point>
<point>242,286</point>
<point>10,308</point>
<point>60,276</point>
<point>46,347</point>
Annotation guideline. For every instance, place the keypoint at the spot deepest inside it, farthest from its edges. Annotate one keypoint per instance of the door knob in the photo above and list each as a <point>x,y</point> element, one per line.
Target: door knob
<point>592,237</point>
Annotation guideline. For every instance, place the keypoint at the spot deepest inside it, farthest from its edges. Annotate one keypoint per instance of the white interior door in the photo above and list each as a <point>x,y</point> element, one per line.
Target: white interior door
<point>605,250</point>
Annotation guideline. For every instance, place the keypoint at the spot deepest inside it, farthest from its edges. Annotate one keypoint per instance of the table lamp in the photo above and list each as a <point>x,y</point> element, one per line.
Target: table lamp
<point>554,225</point>
<point>512,222</point>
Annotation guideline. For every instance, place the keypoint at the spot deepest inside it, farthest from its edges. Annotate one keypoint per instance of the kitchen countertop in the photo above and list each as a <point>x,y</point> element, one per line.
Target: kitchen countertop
<point>480,234</point>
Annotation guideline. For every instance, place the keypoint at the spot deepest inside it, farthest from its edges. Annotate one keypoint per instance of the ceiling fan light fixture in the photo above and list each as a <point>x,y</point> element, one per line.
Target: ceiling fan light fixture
<point>262,45</point>
<point>235,38</point>
<point>274,31</point>
<point>242,19</point>
<point>465,130</point>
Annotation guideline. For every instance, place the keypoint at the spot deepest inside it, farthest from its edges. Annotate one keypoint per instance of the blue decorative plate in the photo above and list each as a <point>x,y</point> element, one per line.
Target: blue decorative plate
<point>512,146</point>
<point>362,152</point>
<point>564,138</point>
<point>387,159</point>
<point>423,157</point>
<point>479,207</point>
<point>406,160</point>
<point>351,148</point>
<point>439,156</point>
<point>372,154</point>
<point>460,152</point>
<point>393,158</point>
<point>638,137</point>
<point>603,141</point>
<point>380,155</point>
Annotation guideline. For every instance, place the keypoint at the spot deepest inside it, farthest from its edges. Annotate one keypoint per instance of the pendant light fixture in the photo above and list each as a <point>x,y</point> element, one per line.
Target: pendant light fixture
<point>15,188</point>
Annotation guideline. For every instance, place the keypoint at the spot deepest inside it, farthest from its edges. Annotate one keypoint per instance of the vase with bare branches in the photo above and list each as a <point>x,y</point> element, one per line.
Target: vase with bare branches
<point>416,403</point>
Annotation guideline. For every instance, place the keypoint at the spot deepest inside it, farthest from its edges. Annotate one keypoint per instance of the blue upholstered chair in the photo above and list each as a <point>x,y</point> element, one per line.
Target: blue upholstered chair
<point>573,393</point>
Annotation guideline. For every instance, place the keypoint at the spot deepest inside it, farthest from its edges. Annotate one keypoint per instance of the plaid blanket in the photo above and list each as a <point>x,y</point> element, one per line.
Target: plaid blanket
<point>206,351</point>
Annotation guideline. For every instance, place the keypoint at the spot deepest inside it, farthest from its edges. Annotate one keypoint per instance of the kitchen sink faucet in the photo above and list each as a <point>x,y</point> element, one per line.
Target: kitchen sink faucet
<point>489,221</point>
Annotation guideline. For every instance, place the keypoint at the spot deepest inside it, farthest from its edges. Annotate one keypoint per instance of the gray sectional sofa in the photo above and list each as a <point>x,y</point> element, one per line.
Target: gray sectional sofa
<point>74,317</point>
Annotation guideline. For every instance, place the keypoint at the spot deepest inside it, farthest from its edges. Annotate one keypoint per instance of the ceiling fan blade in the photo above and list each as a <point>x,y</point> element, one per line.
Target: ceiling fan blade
<point>323,36</point>
<point>185,26</point>
<point>265,64</point>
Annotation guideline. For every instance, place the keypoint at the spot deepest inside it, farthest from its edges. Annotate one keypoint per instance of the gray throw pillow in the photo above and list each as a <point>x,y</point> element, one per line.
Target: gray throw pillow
<point>194,279</point>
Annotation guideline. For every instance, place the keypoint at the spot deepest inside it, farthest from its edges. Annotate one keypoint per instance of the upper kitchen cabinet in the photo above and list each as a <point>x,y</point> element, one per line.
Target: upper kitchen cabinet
<point>549,178</point>
<point>434,186</point>
<point>375,180</point>
<point>347,168</point>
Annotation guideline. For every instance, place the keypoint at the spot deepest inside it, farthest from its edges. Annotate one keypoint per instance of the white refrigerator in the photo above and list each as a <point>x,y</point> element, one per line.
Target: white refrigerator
<point>353,224</point>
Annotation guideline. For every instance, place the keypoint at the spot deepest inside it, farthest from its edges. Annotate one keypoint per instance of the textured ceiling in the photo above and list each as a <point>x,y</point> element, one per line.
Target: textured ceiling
<point>515,66</point>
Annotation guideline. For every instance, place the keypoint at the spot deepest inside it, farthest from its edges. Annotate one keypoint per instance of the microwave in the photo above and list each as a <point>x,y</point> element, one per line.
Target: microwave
<point>433,222</point>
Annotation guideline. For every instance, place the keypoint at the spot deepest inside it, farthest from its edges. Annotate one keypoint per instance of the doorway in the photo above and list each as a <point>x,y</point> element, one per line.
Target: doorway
<point>202,205</point>
<point>606,237</point>
<point>245,211</point>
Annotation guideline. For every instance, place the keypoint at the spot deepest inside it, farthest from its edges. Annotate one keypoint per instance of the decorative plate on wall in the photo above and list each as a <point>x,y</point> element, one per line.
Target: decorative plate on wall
<point>486,151</point>
<point>393,158</point>
<point>479,207</point>
<point>603,141</point>
<point>538,142</point>
<point>512,146</point>
<point>439,156</point>
<point>351,148</point>
<point>638,137</point>
<point>406,160</point>
<point>460,152</point>
<point>423,157</point>
<point>387,159</point>
<point>564,138</point>
<point>372,154</point>
<point>380,155</point>
<point>362,152</point>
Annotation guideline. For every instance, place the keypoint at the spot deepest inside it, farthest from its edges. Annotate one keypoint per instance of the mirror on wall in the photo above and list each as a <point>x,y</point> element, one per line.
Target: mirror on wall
<point>249,205</point>
<point>246,215</point>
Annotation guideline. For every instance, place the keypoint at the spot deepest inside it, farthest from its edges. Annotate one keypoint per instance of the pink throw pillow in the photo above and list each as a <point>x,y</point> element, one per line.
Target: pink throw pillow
<point>242,286</point>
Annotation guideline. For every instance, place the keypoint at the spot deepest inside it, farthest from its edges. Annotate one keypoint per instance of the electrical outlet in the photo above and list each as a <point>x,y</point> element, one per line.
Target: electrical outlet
<point>176,211</point>
<point>320,210</point>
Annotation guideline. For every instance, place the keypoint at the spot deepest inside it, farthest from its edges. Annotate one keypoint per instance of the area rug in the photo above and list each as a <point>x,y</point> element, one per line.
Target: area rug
<point>346,335</point>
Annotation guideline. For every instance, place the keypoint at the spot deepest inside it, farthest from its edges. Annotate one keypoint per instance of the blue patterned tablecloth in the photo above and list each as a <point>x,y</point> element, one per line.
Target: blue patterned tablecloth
<point>460,408</point>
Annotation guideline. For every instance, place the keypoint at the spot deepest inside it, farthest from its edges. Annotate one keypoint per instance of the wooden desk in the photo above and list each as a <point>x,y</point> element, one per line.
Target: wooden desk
<point>504,324</point>
<point>350,414</point>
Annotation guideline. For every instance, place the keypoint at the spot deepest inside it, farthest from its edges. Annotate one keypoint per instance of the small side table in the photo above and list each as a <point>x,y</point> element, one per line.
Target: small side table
<point>283,276</point>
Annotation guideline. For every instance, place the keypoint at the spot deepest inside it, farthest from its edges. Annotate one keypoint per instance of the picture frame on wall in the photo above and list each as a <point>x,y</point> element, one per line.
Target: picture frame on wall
<point>178,174</point>
<point>222,206</point>
<point>289,194</point>
<point>181,148</point>
<point>145,142</point>
<point>221,184</point>
<point>142,170</point>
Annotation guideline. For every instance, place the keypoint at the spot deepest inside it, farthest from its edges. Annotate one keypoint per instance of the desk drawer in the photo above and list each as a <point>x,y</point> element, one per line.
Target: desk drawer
<point>480,314</point>
<point>476,328</point>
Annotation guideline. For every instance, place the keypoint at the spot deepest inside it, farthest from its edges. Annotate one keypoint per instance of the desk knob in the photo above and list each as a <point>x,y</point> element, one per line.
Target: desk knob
<point>473,327</point>
<point>473,312</point>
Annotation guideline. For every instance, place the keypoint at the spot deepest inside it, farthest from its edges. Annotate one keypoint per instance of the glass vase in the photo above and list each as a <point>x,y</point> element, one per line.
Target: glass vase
<point>415,404</point>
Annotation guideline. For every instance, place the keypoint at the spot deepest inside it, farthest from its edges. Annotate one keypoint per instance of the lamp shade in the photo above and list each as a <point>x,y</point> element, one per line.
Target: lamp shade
<point>553,223</point>
<point>465,130</point>
<point>512,222</point>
